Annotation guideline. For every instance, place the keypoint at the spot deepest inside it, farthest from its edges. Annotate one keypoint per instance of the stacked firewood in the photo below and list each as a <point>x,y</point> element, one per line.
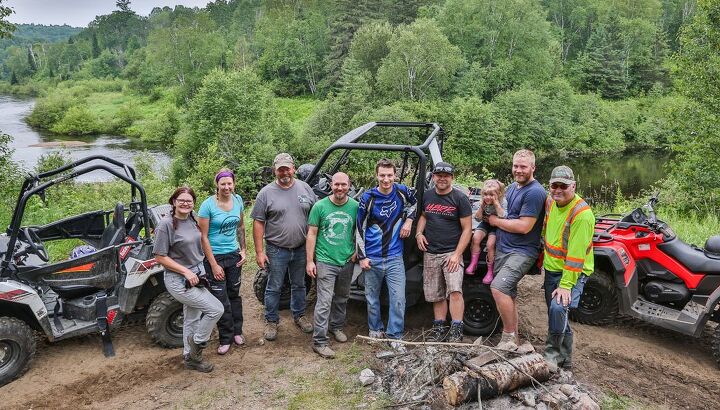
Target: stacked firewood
<point>447,375</point>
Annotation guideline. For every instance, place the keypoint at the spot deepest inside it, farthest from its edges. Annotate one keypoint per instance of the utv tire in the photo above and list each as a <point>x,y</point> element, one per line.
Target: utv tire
<point>17,348</point>
<point>164,321</point>
<point>260,283</point>
<point>481,318</point>
<point>599,301</point>
<point>715,344</point>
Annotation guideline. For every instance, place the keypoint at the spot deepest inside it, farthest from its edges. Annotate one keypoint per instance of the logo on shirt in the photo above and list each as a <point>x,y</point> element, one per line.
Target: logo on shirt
<point>440,209</point>
<point>387,209</point>
<point>337,228</point>
<point>228,227</point>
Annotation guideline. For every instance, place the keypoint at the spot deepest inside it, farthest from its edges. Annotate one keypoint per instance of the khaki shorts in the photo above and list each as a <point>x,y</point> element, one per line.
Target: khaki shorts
<point>438,282</point>
<point>509,268</point>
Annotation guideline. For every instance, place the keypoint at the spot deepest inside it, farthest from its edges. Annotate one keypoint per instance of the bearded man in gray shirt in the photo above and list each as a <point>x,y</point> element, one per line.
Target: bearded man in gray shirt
<point>280,217</point>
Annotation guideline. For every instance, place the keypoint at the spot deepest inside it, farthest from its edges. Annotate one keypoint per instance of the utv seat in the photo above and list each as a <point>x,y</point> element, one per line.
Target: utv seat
<point>114,233</point>
<point>691,257</point>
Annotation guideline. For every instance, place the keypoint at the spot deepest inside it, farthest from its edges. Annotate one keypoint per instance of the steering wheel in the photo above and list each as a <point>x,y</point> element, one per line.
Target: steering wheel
<point>35,244</point>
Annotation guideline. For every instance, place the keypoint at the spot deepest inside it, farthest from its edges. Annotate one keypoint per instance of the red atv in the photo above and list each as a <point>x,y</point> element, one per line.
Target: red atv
<point>643,270</point>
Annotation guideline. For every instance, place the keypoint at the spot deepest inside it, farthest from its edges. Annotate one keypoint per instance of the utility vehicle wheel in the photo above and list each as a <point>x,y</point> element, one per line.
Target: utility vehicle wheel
<point>17,348</point>
<point>716,344</point>
<point>260,283</point>
<point>599,301</point>
<point>481,318</point>
<point>164,321</point>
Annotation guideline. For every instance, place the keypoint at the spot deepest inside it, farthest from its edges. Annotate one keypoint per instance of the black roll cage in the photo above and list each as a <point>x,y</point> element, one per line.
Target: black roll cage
<point>348,142</point>
<point>34,184</point>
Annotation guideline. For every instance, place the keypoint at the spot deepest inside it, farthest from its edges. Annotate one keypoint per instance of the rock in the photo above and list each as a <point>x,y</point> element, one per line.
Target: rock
<point>385,354</point>
<point>528,399</point>
<point>541,406</point>
<point>568,389</point>
<point>261,341</point>
<point>525,348</point>
<point>585,402</point>
<point>367,377</point>
<point>500,403</point>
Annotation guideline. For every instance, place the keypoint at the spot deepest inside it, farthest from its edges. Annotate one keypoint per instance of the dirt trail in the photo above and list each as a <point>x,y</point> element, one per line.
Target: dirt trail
<point>650,366</point>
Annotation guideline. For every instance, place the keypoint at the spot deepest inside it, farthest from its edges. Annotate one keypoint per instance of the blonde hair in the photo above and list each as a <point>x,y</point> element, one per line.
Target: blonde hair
<point>493,185</point>
<point>527,154</point>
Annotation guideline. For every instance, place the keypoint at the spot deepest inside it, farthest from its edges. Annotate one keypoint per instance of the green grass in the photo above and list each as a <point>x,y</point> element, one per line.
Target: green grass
<point>297,110</point>
<point>613,401</point>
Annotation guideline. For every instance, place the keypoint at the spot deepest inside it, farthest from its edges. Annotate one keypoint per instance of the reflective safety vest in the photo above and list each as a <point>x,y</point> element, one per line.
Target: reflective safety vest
<point>552,250</point>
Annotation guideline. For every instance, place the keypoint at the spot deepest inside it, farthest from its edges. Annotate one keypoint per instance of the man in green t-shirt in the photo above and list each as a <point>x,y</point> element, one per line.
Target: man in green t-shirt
<point>567,235</point>
<point>330,240</point>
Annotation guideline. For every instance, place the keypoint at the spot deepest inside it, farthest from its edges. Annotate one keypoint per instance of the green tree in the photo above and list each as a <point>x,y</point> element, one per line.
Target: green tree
<point>6,28</point>
<point>509,41</point>
<point>95,46</point>
<point>123,5</point>
<point>370,45</point>
<point>13,79</point>
<point>236,114</point>
<point>410,71</point>
<point>603,65</point>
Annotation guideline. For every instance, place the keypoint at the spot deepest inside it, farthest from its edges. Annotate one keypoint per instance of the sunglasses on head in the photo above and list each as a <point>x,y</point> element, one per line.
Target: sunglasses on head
<point>446,170</point>
<point>559,185</point>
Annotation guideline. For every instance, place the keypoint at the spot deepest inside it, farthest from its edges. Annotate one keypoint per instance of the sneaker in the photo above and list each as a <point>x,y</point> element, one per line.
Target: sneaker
<point>270,331</point>
<point>377,334</point>
<point>398,347</point>
<point>239,340</point>
<point>455,335</point>
<point>303,324</point>
<point>339,335</point>
<point>324,351</point>
<point>223,349</point>
<point>438,333</point>
<point>507,341</point>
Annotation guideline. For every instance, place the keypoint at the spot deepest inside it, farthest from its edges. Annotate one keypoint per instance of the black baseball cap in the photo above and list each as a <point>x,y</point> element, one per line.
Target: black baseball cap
<point>444,167</point>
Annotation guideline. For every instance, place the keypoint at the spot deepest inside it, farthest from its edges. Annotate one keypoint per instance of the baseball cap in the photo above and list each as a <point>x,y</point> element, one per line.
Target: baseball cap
<point>444,167</point>
<point>562,174</point>
<point>283,160</point>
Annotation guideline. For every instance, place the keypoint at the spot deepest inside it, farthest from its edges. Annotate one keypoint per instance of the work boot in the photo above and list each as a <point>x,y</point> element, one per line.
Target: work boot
<point>339,335</point>
<point>270,331</point>
<point>456,333</point>
<point>324,351</point>
<point>303,324</point>
<point>566,348</point>
<point>507,341</point>
<point>439,331</point>
<point>553,355</point>
<point>194,360</point>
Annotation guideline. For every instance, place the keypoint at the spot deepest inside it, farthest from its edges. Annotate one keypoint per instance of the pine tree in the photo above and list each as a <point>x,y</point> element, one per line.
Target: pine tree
<point>604,65</point>
<point>95,46</point>
<point>123,5</point>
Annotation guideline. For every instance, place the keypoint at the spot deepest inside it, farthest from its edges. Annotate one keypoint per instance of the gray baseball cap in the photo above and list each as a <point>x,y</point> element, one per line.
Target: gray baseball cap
<point>283,160</point>
<point>562,174</point>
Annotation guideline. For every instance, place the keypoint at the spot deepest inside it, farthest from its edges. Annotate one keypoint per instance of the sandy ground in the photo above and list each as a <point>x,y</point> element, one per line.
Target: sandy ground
<point>650,367</point>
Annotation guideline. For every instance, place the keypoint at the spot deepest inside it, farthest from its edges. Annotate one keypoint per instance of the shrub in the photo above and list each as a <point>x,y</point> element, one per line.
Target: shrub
<point>78,120</point>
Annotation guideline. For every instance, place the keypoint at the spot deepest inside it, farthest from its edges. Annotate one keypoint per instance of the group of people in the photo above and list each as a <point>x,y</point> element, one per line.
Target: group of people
<point>324,239</point>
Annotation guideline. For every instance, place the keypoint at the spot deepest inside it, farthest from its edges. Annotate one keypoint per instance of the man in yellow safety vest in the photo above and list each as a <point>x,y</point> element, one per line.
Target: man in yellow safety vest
<point>567,234</point>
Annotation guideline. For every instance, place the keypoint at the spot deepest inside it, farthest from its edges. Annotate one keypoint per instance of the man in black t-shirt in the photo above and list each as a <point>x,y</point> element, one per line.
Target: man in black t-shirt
<point>443,232</point>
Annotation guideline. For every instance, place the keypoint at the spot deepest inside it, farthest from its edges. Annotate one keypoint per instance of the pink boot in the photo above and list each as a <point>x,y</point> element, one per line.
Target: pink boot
<point>489,275</point>
<point>474,259</point>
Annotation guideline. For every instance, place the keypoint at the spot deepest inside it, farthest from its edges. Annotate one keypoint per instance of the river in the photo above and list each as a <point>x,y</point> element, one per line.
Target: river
<point>30,144</point>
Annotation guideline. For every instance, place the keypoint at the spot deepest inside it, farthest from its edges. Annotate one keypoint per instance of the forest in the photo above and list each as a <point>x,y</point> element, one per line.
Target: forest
<point>237,81</point>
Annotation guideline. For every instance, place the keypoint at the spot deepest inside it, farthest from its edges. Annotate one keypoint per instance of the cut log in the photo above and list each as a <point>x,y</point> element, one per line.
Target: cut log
<point>495,379</point>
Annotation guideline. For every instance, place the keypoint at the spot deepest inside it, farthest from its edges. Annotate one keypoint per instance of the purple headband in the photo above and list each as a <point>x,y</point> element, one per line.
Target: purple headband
<point>224,174</point>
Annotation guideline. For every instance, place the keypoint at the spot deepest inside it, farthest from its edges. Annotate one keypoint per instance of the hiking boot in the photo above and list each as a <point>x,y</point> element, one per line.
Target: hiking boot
<point>194,360</point>
<point>438,333</point>
<point>377,334</point>
<point>339,335</point>
<point>324,351</point>
<point>553,355</point>
<point>303,324</point>
<point>223,349</point>
<point>239,340</point>
<point>566,348</point>
<point>455,335</point>
<point>507,341</point>
<point>398,347</point>
<point>270,331</point>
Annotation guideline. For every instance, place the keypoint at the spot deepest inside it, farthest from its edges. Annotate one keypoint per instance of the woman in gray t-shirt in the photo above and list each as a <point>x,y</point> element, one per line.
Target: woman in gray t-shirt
<point>178,248</point>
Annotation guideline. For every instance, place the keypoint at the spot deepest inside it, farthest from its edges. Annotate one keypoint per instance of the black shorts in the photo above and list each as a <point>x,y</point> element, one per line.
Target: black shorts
<point>486,227</point>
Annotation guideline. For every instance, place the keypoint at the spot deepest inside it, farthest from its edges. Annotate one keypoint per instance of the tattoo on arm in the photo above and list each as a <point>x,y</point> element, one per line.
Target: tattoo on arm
<point>241,232</point>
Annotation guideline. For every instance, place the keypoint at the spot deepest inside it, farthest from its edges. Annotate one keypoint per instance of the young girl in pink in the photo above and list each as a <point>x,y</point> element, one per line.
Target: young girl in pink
<point>493,203</point>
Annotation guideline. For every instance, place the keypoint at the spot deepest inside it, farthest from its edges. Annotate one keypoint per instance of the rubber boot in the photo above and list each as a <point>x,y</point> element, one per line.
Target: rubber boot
<point>474,259</point>
<point>489,275</point>
<point>566,349</point>
<point>194,360</point>
<point>553,357</point>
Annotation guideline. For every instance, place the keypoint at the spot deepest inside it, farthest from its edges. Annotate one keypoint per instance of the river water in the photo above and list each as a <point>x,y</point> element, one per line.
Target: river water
<point>30,144</point>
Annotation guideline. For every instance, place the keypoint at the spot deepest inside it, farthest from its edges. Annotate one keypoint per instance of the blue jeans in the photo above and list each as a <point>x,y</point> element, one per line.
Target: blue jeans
<point>557,313</point>
<point>285,260</point>
<point>392,270</point>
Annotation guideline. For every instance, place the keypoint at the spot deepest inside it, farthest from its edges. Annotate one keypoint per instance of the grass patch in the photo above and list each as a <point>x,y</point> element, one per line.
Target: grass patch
<point>325,390</point>
<point>614,401</point>
<point>297,110</point>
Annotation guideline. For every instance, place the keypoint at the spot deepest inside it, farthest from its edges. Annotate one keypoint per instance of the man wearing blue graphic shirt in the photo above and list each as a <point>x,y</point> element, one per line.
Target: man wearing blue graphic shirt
<point>380,228</point>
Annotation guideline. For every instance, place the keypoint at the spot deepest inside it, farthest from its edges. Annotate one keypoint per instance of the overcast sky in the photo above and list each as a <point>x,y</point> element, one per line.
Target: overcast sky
<point>79,13</point>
